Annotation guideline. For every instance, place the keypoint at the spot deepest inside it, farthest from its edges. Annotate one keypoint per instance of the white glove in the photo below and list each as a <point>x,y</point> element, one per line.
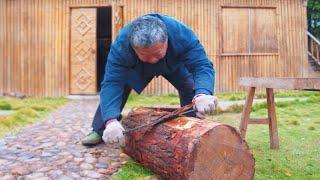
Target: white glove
<point>204,104</point>
<point>113,133</point>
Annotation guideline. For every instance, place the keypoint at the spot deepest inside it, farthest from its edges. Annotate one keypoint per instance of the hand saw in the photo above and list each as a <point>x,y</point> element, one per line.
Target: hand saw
<point>179,112</point>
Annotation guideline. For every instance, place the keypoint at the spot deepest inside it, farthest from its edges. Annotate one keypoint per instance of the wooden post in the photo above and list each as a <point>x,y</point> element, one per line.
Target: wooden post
<point>273,130</point>
<point>246,112</point>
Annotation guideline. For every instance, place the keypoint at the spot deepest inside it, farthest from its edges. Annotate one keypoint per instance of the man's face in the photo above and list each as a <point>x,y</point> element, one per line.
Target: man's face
<point>152,54</point>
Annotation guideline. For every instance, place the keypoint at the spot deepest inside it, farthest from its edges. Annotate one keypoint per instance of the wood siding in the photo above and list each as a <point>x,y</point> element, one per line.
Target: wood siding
<point>35,41</point>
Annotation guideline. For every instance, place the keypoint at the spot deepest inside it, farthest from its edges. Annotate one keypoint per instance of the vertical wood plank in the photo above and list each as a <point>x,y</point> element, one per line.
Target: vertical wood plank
<point>66,13</point>
<point>13,42</point>
<point>48,48</point>
<point>63,49</point>
<point>18,47</point>
<point>2,46</point>
<point>42,48</point>
<point>23,46</point>
<point>37,53</point>
<point>9,45</point>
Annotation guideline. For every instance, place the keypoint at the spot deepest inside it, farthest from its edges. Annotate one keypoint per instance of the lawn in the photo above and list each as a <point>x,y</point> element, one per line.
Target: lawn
<point>27,111</point>
<point>299,133</point>
<point>298,123</point>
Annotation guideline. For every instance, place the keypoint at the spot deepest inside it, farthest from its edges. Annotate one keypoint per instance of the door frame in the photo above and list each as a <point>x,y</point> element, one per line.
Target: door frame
<point>117,17</point>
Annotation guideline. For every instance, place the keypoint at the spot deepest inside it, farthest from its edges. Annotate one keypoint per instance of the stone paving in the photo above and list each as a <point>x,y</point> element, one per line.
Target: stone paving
<point>51,149</point>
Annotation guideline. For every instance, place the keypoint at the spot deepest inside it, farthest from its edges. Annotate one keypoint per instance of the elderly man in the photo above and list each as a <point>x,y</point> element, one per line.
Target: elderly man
<point>150,46</point>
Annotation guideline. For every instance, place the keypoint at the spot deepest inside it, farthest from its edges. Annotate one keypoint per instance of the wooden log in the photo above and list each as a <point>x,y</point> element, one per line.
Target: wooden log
<point>187,148</point>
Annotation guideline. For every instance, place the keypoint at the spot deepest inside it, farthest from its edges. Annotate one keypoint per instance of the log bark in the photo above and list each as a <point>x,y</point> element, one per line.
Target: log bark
<point>187,147</point>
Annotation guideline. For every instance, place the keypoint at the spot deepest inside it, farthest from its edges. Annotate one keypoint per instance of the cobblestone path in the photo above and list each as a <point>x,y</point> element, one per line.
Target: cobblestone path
<point>51,149</point>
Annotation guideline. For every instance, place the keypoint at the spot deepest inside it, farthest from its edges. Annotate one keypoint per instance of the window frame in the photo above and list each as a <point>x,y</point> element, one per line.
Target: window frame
<point>220,30</point>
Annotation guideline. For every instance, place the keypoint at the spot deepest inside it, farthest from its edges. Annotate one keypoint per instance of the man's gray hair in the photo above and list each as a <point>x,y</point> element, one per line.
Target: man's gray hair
<point>147,30</point>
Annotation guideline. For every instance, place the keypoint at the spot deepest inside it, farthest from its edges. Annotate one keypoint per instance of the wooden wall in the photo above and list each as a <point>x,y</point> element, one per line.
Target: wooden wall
<point>34,41</point>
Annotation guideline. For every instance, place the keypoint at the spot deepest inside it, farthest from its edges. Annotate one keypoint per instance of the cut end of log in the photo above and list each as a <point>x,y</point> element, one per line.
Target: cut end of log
<point>222,154</point>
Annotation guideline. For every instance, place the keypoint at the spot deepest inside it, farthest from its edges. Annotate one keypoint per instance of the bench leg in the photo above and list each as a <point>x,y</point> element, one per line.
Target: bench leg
<point>273,130</point>
<point>246,112</point>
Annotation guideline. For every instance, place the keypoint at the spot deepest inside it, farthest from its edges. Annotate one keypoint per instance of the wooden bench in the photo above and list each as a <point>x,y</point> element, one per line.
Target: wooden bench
<point>269,84</point>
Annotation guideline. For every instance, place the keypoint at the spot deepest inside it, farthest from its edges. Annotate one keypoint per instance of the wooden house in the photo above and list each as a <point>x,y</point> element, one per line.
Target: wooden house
<point>57,47</point>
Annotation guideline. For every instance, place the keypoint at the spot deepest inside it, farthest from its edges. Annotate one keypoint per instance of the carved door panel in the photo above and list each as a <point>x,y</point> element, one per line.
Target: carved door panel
<point>117,19</point>
<point>83,51</point>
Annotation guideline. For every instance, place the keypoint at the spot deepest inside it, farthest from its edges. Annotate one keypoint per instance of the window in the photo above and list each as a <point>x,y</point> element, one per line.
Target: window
<point>249,30</point>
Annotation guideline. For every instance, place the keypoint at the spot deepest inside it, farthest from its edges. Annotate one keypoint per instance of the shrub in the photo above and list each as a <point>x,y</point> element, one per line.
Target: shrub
<point>294,122</point>
<point>5,106</point>
<point>311,127</point>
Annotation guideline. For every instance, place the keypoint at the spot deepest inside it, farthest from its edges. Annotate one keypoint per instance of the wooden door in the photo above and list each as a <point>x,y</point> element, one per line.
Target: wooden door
<point>83,76</point>
<point>117,19</point>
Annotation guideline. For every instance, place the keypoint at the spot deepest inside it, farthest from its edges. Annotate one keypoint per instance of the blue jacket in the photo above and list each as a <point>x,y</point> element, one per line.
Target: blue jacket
<point>124,67</point>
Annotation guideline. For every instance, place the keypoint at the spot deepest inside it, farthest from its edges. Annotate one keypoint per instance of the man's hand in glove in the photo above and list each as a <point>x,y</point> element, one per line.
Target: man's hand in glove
<point>113,132</point>
<point>204,104</point>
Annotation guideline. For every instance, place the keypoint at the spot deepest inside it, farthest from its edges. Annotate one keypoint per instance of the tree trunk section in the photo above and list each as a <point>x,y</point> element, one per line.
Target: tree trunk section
<point>187,147</point>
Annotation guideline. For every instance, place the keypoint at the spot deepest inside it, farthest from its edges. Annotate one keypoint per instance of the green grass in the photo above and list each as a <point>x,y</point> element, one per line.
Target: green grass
<point>135,100</point>
<point>299,135</point>
<point>28,111</point>
<point>133,171</point>
<point>262,95</point>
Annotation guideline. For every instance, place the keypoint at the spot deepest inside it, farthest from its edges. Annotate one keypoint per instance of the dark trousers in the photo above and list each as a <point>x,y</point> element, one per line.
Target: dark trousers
<point>181,79</point>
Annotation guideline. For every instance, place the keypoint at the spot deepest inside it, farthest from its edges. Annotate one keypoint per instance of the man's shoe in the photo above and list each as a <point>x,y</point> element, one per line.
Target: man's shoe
<point>91,139</point>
